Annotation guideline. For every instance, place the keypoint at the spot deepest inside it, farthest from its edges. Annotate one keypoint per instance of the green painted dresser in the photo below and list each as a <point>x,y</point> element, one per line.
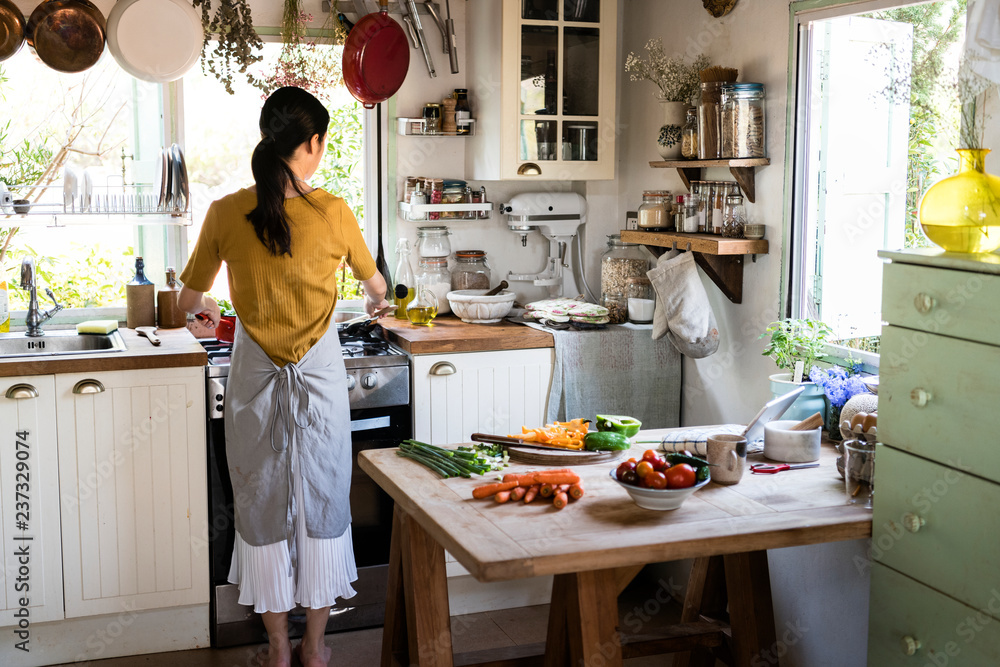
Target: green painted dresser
<point>935,591</point>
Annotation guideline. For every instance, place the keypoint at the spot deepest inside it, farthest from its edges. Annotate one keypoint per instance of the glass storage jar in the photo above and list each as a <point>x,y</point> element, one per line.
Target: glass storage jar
<point>620,262</point>
<point>433,242</point>
<point>734,217</point>
<point>432,273</point>
<point>471,270</point>
<point>743,120</point>
<point>859,471</point>
<point>617,305</point>
<point>641,300</point>
<point>653,211</point>
<point>709,121</point>
<point>689,135</point>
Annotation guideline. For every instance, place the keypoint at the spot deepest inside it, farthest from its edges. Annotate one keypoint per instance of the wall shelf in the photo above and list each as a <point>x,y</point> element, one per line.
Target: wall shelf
<point>419,212</point>
<point>416,127</point>
<point>742,169</point>
<point>721,258</point>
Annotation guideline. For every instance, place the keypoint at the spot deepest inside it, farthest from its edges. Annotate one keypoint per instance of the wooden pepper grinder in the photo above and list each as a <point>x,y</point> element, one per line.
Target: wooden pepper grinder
<point>140,299</point>
<point>448,125</point>
<point>168,313</point>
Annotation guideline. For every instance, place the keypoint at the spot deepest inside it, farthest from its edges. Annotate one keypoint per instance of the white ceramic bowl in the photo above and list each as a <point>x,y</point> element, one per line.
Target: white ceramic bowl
<point>753,231</point>
<point>780,444</point>
<point>657,499</point>
<point>471,306</point>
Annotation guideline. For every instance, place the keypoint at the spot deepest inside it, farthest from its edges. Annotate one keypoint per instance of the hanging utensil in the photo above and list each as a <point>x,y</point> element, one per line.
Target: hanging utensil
<point>452,42</point>
<point>410,29</point>
<point>420,36</point>
<point>440,24</point>
<point>67,35</point>
<point>380,263</point>
<point>12,29</point>
<point>376,57</point>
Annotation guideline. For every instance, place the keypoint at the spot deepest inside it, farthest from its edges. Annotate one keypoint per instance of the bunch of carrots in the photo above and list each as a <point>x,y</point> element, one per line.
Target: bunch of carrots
<point>559,434</point>
<point>561,486</point>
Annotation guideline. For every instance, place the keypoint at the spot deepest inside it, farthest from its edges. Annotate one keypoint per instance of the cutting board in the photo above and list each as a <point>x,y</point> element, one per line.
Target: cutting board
<point>551,457</point>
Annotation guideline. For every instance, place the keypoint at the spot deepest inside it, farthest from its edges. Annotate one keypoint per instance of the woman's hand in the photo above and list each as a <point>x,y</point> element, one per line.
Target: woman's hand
<point>210,311</point>
<point>200,304</point>
<point>374,294</point>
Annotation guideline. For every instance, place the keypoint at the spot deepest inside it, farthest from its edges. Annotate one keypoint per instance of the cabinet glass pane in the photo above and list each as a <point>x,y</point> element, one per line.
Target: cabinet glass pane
<point>579,141</point>
<point>588,11</point>
<point>539,140</point>
<point>542,10</point>
<point>539,83</point>
<point>581,61</point>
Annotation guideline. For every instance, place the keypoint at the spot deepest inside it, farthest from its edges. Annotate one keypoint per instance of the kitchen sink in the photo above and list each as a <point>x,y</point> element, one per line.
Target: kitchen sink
<point>55,343</point>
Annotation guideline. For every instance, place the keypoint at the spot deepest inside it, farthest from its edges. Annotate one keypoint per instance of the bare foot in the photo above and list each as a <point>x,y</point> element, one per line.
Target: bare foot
<point>312,659</point>
<point>275,657</point>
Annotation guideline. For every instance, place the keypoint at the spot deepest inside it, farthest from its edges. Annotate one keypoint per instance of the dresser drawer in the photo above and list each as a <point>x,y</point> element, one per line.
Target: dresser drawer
<point>937,525</point>
<point>947,632</point>
<point>938,398</point>
<point>962,304</point>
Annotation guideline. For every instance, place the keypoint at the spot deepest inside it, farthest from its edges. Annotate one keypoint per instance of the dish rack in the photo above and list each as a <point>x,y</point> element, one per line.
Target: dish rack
<point>100,205</point>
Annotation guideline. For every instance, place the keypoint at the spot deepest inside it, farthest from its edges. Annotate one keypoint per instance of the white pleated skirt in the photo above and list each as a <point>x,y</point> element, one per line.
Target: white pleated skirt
<point>314,573</point>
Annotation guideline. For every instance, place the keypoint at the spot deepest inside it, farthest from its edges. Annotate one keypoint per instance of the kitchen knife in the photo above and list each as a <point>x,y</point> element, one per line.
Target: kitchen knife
<point>507,440</point>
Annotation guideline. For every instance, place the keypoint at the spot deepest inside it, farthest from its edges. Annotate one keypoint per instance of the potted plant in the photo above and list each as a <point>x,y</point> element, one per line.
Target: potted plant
<point>793,341</point>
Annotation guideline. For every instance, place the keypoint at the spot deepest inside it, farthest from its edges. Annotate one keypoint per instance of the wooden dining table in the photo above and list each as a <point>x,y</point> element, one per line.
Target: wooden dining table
<point>594,547</point>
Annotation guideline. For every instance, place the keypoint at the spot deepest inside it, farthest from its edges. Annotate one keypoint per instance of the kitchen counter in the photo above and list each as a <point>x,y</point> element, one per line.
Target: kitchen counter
<point>178,348</point>
<point>450,334</point>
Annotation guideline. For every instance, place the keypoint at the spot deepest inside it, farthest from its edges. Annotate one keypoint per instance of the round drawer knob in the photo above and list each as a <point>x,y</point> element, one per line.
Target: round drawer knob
<point>924,303</point>
<point>913,522</point>
<point>920,397</point>
<point>910,645</point>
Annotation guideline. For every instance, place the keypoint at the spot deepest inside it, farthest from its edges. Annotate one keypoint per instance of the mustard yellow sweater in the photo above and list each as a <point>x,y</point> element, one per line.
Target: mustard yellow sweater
<point>285,303</point>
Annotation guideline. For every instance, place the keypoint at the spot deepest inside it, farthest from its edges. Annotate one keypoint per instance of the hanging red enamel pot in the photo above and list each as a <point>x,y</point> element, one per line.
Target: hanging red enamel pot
<point>376,57</point>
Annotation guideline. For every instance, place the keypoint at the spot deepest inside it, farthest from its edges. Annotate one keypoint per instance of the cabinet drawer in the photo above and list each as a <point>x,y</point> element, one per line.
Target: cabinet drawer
<point>937,398</point>
<point>962,304</point>
<point>948,633</point>
<point>956,550</point>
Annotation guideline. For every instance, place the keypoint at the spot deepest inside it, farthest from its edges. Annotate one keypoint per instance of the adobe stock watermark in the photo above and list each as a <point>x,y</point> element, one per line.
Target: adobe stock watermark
<point>793,634</point>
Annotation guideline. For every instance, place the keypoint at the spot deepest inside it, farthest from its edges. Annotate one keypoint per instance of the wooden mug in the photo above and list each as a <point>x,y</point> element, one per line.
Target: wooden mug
<point>727,452</point>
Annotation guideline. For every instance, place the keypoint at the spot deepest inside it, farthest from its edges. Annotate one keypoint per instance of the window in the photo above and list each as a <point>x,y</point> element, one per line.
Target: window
<point>876,122</point>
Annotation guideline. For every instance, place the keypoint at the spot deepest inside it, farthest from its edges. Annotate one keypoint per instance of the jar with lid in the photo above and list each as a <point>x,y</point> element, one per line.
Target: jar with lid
<point>432,118</point>
<point>699,190</point>
<point>617,305</point>
<point>433,242</point>
<point>691,204</point>
<point>432,273</point>
<point>709,121</point>
<point>734,217</point>
<point>620,262</point>
<point>689,135</point>
<point>435,193</point>
<point>641,300</point>
<point>743,120</point>
<point>653,211</point>
<point>454,192</point>
<point>471,270</point>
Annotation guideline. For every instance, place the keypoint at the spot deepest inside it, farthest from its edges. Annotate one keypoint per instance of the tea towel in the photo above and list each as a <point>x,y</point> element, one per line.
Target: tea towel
<point>682,310</point>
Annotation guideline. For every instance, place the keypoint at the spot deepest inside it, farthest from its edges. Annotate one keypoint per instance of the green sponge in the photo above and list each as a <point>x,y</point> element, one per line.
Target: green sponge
<point>97,327</point>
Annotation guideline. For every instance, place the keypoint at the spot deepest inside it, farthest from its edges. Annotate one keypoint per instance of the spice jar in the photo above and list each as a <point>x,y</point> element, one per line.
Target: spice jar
<point>620,262</point>
<point>454,192</point>
<point>435,188</point>
<point>691,204</point>
<point>653,211</point>
<point>433,242</point>
<point>689,135</point>
<point>432,273</point>
<point>617,305</point>
<point>471,270</point>
<point>432,118</point>
<point>640,300</point>
<point>743,120</point>
<point>709,121</point>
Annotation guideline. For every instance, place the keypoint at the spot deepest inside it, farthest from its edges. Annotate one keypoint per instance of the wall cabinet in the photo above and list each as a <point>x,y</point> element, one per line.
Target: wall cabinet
<point>133,487</point>
<point>29,493</point>
<point>546,106</point>
<point>455,395</point>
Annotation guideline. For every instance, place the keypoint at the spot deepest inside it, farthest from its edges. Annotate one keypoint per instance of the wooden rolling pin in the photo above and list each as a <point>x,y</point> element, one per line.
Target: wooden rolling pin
<point>809,423</point>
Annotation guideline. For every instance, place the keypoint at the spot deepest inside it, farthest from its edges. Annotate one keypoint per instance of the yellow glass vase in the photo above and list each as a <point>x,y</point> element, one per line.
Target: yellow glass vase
<point>962,212</point>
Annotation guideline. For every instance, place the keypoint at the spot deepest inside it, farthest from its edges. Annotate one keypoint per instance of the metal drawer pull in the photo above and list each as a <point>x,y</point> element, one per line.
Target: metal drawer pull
<point>913,522</point>
<point>443,368</point>
<point>88,387</point>
<point>924,303</point>
<point>910,645</point>
<point>920,397</point>
<point>21,390</point>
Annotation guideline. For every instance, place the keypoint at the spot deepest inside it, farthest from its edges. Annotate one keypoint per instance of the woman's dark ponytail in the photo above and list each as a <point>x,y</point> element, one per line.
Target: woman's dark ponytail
<point>290,117</point>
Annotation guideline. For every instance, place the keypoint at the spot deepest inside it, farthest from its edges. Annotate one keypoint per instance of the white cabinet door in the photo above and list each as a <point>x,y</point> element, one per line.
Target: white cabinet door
<point>456,395</point>
<point>29,502</point>
<point>132,468</point>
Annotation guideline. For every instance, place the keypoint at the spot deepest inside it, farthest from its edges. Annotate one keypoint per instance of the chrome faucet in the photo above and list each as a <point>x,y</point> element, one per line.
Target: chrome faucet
<point>35,318</point>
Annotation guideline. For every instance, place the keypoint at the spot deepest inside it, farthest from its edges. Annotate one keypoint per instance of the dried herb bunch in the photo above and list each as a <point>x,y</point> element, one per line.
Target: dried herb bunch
<point>307,61</point>
<point>239,44</point>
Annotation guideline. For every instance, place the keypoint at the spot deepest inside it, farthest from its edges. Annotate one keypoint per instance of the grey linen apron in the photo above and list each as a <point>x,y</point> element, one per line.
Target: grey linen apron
<point>273,412</point>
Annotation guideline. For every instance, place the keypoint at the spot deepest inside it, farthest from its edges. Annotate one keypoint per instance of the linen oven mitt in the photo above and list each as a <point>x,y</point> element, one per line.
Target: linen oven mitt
<point>682,310</point>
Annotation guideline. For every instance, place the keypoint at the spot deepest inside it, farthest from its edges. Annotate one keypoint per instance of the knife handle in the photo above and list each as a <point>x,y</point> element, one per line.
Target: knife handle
<point>500,439</point>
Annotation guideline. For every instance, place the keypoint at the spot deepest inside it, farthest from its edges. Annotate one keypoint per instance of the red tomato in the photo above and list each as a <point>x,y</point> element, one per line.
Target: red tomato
<point>643,469</point>
<point>625,467</point>
<point>660,464</point>
<point>656,480</point>
<point>680,476</point>
<point>650,455</point>
<point>630,478</point>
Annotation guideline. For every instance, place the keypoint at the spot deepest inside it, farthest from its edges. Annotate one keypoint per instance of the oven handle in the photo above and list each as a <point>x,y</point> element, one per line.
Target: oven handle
<point>370,424</point>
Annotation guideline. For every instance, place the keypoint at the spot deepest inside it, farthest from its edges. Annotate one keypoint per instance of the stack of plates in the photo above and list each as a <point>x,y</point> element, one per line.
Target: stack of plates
<point>174,194</point>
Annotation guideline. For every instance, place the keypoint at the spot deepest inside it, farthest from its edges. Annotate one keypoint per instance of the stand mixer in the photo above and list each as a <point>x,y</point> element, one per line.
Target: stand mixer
<point>558,217</point>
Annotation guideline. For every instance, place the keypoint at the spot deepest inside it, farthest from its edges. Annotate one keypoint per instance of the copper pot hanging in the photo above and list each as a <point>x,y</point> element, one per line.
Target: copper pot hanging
<point>67,35</point>
<point>11,29</point>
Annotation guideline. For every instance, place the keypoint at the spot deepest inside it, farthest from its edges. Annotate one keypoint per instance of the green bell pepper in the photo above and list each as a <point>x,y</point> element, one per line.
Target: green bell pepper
<point>627,426</point>
<point>604,441</point>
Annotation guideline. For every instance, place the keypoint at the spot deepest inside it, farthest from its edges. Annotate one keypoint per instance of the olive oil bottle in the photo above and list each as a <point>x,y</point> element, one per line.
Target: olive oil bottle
<point>4,307</point>
<point>404,290</point>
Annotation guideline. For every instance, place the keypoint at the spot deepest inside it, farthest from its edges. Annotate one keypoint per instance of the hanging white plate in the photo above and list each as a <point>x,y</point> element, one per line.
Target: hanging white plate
<point>155,40</point>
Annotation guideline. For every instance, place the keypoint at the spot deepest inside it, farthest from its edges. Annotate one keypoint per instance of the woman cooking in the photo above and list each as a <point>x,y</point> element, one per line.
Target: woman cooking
<point>287,416</point>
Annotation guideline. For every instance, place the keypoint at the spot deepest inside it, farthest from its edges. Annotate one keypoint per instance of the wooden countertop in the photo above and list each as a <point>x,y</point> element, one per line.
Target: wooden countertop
<point>450,334</point>
<point>605,529</point>
<point>178,348</point>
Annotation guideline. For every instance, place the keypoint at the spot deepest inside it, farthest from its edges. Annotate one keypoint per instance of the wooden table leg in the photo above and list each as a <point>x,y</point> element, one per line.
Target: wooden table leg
<point>751,614</point>
<point>394,642</point>
<point>706,592</point>
<point>588,603</point>
<point>428,622</point>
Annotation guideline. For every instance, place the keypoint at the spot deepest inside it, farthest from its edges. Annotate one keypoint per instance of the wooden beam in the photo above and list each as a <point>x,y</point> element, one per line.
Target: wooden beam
<point>425,580</point>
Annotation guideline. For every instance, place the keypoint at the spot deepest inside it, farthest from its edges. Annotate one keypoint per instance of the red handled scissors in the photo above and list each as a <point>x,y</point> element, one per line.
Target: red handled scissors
<point>770,470</point>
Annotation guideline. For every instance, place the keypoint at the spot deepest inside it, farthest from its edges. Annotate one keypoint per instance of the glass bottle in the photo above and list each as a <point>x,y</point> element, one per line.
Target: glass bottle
<point>423,308</point>
<point>961,213</point>
<point>404,290</point>
<point>140,299</point>
<point>679,213</point>
<point>691,204</point>
<point>640,300</point>
<point>463,112</point>
<point>620,262</point>
<point>168,313</point>
<point>653,211</point>
<point>689,135</point>
<point>700,190</point>
<point>432,272</point>
<point>471,270</point>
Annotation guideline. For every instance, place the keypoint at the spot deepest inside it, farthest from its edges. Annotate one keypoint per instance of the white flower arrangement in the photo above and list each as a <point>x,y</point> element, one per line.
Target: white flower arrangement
<point>677,80</point>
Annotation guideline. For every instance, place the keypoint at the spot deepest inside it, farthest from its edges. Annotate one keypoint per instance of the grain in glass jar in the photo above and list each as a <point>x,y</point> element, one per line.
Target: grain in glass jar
<point>653,211</point>
<point>620,262</point>
<point>709,121</point>
<point>471,270</point>
<point>641,300</point>
<point>689,135</point>
<point>617,305</point>
<point>743,120</point>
